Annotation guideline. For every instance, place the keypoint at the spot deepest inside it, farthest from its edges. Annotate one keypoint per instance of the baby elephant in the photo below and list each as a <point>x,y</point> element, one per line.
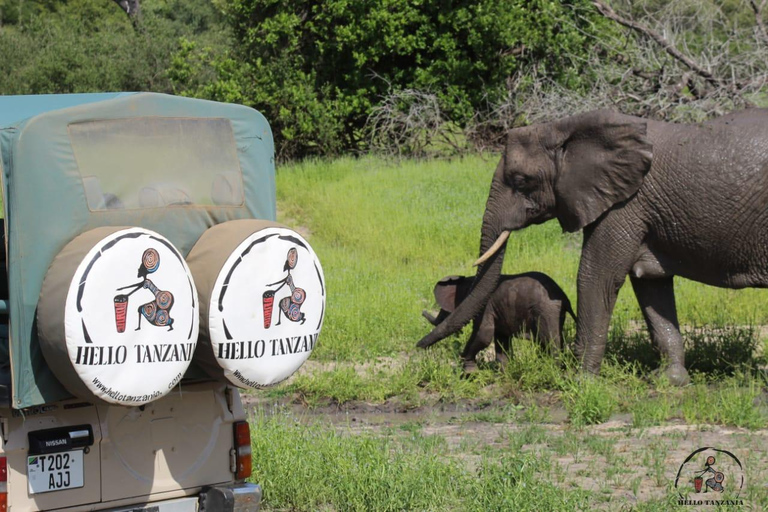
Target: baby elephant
<point>527,305</point>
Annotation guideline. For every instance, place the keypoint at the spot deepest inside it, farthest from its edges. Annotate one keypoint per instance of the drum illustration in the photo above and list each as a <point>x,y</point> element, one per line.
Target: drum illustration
<point>121,308</point>
<point>268,300</point>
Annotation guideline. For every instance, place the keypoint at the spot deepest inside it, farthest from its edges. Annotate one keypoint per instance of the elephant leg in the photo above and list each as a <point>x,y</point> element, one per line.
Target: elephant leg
<point>596,300</point>
<point>608,253</point>
<point>560,324</point>
<point>480,339</point>
<point>657,300</point>
<point>549,334</point>
<point>503,346</point>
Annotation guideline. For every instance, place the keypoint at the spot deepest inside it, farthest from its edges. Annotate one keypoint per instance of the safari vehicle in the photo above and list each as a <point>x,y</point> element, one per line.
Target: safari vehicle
<point>145,283</point>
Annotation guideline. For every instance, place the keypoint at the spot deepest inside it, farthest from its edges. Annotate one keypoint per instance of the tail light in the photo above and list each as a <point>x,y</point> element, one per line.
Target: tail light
<point>3,484</point>
<point>242,451</point>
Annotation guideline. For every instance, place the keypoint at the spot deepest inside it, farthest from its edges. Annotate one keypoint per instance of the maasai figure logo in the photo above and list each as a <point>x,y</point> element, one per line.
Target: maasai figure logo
<point>289,306</point>
<point>157,312</point>
<point>710,476</point>
<point>715,483</point>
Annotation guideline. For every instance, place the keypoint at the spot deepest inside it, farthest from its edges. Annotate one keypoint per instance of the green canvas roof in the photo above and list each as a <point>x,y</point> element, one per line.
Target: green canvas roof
<point>18,108</point>
<point>54,153</point>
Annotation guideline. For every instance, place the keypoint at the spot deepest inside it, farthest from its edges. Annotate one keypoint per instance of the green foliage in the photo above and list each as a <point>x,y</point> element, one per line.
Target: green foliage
<point>316,68</point>
<point>588,400</point>
<point>364,463</point>
<point>531,368</point>
<point>91,46</point>
<point>732,402</point>
<point>303,467</point>
<point>427,372</point>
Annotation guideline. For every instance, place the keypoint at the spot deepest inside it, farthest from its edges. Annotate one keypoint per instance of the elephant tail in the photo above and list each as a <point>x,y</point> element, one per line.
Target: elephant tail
<point>569,309</point>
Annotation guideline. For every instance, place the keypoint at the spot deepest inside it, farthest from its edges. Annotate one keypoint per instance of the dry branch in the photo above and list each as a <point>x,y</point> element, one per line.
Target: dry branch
<point>758,10</point>
<point>660,40</point>
<point>411,123</point>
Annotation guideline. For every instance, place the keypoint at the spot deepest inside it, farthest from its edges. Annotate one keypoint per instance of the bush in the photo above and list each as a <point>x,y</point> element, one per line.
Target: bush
<point>90,45</point>
<point>317,68</point>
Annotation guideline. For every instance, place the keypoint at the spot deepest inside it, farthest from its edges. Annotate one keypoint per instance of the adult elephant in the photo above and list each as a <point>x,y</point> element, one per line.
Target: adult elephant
<point>654,199</point>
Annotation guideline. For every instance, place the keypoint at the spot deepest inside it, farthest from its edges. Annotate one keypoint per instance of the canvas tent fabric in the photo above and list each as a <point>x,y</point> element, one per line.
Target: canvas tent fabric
<point>49,199</point>
<point>14,109</point>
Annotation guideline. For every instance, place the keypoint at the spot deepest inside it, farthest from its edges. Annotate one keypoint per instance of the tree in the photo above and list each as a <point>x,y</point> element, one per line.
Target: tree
<point>90,45</point>
<point>316,68</point>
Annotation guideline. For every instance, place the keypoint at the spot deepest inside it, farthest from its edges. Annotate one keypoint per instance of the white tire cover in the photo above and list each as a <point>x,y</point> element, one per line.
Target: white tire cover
<point>110,331</point>
<point>262,301</point>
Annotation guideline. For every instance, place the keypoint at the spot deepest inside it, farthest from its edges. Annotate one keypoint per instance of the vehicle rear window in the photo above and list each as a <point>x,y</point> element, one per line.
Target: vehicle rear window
<point>153,162</point>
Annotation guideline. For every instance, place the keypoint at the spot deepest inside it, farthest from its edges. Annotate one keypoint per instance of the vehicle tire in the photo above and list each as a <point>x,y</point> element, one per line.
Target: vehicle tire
<point>111,332</point>
<point>245,270</point>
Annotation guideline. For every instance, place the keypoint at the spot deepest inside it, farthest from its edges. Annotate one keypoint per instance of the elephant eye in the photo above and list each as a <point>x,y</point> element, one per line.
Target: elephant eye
<point>522,183</point>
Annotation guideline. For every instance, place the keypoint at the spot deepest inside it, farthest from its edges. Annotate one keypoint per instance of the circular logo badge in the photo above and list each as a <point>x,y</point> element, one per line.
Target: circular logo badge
<point>131,317</point>
<point>710,474</point>
<point>266,308</point>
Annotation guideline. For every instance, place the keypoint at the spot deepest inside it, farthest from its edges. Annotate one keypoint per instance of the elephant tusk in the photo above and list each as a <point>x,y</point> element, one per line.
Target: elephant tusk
<point>495,247</point>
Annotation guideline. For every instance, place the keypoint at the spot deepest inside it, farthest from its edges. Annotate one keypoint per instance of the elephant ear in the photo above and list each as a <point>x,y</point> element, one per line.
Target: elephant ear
<point>445,292</point>
<point>602,162</point>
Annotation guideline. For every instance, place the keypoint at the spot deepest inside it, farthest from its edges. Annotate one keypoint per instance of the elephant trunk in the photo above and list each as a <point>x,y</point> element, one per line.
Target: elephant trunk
<point>485,282</point>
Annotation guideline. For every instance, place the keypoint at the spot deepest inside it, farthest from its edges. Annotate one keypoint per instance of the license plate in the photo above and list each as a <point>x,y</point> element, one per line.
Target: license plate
<point>55,471</point>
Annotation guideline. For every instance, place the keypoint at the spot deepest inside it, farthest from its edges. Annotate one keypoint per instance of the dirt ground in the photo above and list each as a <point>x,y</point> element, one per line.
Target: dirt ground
<point>623,464</point>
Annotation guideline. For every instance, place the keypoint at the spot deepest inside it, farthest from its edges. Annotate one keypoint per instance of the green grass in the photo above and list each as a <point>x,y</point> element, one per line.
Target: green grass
<point>307,464</point>
<point>589,400</point>
<point>426,372</point>
<point>727,395</point>
<point>309,467</point>
<point>385,232</point>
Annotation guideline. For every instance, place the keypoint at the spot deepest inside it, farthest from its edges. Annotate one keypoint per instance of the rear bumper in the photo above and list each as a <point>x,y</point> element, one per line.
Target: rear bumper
<point>231,498</point>
<point>177,505</point>
<point>224,498</point>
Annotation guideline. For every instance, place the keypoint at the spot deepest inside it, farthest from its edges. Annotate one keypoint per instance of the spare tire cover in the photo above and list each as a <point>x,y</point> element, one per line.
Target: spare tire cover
<point>118,316</point>
<point>262,301</point>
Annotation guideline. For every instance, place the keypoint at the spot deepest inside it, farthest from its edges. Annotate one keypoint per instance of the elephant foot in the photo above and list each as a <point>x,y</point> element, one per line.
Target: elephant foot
<point>590,368</point>
<point>677,375</point>
<point>470,367</point>
<point>578,350</point>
